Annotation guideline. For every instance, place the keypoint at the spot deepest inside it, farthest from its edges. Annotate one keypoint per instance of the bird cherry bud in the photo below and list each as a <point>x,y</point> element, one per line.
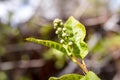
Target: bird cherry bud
<point>57,32</point>
<point>64,34</point>
<point>59,29</point>
<point>70,43</point>
<point>64,29</point>
<point>61,41</point>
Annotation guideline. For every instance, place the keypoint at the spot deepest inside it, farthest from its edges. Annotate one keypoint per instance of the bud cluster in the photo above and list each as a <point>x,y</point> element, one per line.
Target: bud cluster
<point>61,32</point>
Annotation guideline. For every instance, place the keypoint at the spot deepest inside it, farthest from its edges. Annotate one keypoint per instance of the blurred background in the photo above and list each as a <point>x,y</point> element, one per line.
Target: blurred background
<point>21,60</point>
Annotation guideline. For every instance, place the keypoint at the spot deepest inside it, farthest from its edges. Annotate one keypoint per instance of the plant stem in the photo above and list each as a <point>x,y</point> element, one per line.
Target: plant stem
<point>81,65</point>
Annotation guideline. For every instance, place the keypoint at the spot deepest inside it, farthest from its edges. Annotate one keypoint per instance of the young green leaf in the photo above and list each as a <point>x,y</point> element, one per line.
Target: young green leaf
<point>48,43</point>
<point>90,76</point>
<point>76,28</point>
<point>77,34</point>
<point>67,77</point>
<point>83,49</point>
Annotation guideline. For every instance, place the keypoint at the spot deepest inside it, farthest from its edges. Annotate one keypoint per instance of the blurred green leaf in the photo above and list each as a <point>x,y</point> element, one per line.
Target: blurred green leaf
<point>56,55</point>
<point>45,31</point>
<point>24,78</point>
<point>2,50</point>
<point>3,76</point>
<point>106,43</point>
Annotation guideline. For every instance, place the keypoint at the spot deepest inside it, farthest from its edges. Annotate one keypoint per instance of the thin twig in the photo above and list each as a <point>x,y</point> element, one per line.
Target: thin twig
<point>82,66</point>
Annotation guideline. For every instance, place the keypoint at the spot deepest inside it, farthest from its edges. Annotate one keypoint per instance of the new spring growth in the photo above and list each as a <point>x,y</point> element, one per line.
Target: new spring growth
<point>61,32</point>
<point>64,35</point>
<point>59,29</point>
<point>62,41</point>
<point>70,43</point>
<point>64,29</point>
<point>57,23</point>
<point>71,35</point>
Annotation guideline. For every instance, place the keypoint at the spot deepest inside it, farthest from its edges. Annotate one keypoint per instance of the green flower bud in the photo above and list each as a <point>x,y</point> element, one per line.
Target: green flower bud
<point>64,29</point>
<point>59,29</point>
<point>61,41</point>
<point>61,24</point>
<point>70,43</point>
<point>55,25</point>
<point>57,21</point>
<point>57,32</point>
<point>64,34</point>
